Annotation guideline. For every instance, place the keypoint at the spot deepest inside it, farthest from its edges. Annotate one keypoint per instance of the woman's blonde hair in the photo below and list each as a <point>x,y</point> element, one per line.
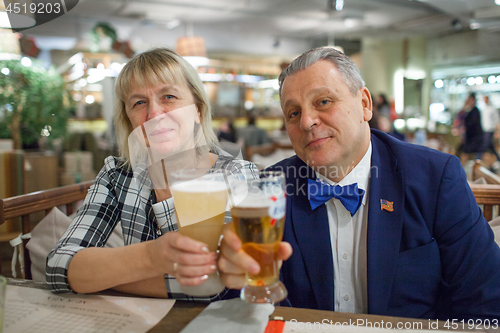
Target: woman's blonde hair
<point>155,67</point>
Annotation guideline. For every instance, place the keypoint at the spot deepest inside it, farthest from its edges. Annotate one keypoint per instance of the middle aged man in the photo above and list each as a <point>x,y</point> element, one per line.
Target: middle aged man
<point>418,246</point>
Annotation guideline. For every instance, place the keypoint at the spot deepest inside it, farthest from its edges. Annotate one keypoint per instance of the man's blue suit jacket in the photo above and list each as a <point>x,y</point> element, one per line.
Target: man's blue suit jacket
<point>434,256</point>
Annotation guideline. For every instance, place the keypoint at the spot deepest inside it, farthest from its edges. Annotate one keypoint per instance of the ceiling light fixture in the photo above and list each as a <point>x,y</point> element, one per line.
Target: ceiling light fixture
<point>192,48</point>
<point>172,24</point>
<point>474,25</point>
<point>350,22</point>
<point>339,5</point>
<point>497,2</point>
<point>335,4</point>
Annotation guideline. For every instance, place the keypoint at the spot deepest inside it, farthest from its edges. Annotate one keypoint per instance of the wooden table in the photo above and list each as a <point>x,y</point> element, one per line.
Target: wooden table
<point>183,312</point>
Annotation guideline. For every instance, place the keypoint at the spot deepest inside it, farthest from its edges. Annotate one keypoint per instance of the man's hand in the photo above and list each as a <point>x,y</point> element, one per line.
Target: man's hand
<point>234,262</point>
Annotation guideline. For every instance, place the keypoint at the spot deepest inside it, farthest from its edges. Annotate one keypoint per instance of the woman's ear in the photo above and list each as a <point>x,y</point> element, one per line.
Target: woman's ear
<point>198,115</point>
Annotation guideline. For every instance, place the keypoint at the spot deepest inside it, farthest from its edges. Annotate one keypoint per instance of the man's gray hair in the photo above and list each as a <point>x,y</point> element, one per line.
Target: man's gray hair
<point>343,63</point>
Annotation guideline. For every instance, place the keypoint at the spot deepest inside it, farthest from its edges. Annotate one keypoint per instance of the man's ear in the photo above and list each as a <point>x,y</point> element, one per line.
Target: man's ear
<point>366,102</point>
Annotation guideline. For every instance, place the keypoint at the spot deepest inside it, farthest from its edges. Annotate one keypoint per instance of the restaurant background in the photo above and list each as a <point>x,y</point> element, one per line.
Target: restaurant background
<point>425,56</point>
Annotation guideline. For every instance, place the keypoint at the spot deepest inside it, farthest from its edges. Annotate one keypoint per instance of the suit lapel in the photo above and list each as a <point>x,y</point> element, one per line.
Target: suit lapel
<point>312,233</point>
<point>384,227</point>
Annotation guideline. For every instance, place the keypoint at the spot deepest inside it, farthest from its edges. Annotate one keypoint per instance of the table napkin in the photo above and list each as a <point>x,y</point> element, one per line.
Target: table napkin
<point>232,315</point>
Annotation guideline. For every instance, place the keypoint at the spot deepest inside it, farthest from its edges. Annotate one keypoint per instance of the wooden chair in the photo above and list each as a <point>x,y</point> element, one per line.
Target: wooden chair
<point>478,171</point>
<point>487,195</point>
<point>264,150</point>
<point>40,201</point>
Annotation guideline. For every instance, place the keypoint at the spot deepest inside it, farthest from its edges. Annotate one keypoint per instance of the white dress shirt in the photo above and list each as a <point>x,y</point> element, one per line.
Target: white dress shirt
<point>348,238</point>
<point>489,118</point>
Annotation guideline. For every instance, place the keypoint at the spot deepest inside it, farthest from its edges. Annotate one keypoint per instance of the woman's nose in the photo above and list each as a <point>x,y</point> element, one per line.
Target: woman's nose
<point>154,110</point>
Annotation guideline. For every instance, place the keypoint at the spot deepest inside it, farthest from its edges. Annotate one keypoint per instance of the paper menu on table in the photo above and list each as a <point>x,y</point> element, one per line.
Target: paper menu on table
<point>37,310</point>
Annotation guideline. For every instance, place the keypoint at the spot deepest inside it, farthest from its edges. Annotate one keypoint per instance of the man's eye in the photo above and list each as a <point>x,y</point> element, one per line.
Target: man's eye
<point>293,114</point>
<point>324,102</point>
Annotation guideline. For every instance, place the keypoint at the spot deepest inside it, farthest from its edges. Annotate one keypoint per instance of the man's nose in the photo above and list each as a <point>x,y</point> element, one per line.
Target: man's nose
<point>308,119</point>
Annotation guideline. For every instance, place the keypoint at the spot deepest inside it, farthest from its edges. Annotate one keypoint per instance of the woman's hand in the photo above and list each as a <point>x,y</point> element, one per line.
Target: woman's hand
<point>188,260</point>
<point>234,262</point>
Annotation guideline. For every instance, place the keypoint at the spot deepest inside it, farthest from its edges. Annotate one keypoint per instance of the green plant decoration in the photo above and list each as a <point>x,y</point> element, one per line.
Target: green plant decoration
<point>33,103</point>
<point>101,33</point>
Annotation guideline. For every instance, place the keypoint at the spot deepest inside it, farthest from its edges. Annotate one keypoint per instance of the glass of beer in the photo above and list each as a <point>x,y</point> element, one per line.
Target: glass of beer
<point>200,198</point>
<point>258,211</point>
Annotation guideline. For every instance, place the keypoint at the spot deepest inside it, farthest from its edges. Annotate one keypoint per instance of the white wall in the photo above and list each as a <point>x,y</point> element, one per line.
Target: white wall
<point>386,62</point>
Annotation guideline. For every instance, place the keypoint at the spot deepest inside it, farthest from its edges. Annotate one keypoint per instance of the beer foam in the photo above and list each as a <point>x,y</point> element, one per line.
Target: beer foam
<point>200,186</point>
<point>258,206</point>
<point>256,201</point>
<point>249,212</point>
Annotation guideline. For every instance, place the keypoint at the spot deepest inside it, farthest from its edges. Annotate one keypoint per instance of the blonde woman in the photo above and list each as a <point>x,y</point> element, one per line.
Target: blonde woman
<point>159,94</point>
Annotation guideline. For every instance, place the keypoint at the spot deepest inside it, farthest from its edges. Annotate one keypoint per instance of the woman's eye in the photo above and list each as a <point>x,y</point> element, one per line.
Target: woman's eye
<point>138,103</point>
<point>169,96</point>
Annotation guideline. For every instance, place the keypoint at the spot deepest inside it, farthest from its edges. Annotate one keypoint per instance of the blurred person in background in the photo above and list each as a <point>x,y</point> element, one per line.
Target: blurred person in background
<point>382,106</point>
<point>251,134</point>
<point>387,126</point>
<point>490,120</point>
<point>381,114</point>
<point>473,132</point>
<point>227,131</point>
<point>458,130</point>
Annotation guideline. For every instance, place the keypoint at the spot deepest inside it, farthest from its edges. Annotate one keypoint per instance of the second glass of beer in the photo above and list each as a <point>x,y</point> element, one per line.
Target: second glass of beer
<point>258,211</point>
<point>200,197</point>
